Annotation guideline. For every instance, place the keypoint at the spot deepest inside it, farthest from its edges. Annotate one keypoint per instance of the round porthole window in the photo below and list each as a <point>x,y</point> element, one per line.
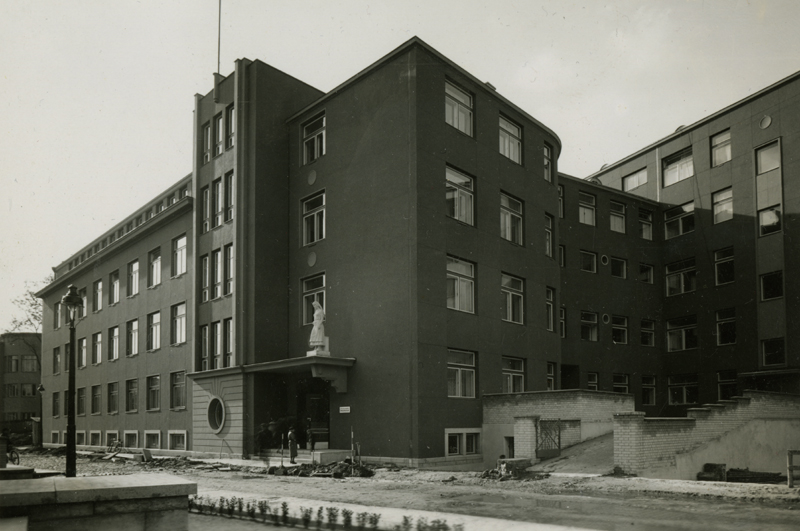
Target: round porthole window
<point>606,318</point>
<point>216,414</point>
<point>766,121</point>
<point>604,260</point>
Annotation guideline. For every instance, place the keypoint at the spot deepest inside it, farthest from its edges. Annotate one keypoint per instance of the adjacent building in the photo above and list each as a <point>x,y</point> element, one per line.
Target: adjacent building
<point>425,213</point>
<point>20,402</point>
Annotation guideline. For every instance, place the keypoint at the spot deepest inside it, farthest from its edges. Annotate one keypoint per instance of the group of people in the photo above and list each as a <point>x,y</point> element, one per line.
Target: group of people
<point>269,436</point>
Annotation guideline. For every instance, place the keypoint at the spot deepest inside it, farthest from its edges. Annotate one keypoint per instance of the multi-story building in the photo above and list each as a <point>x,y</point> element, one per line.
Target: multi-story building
<point>20,402</point>
<point>380,201</point>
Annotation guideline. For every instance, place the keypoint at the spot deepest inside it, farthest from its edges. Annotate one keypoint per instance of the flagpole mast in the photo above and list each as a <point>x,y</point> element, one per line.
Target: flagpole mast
<point>219,33</point>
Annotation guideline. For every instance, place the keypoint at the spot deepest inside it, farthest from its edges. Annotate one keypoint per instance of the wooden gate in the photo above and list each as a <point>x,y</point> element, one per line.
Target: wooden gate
<point>548,438</point>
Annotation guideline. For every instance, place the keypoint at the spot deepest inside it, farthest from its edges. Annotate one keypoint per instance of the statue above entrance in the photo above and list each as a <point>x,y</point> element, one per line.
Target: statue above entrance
<point>318,340</point>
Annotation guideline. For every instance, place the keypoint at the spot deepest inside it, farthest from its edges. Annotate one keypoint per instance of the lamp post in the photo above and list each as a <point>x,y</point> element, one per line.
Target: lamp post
<point>73,302</point>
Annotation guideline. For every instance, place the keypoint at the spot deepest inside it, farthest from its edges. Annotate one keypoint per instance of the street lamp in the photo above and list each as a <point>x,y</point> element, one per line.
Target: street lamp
<point>73,302</point>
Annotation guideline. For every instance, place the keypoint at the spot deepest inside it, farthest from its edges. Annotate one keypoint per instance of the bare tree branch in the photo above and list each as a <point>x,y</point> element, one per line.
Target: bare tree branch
<point>29,316</point>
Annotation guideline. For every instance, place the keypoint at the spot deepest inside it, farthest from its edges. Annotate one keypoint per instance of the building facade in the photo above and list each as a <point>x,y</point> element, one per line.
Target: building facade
<point>376,204</point>
<point>20,402</point>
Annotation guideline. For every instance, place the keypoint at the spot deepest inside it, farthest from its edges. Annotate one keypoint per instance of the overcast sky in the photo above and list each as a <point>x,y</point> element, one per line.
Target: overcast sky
<point>97,96</point>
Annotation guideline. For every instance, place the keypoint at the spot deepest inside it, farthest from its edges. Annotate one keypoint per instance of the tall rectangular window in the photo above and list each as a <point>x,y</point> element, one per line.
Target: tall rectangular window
<point>510,219</point>
<point>154,331</point>
<point>204,348</point>
<point>679,220</point>
<point>562,256</point>
<point>513,375</point>
<point>113,288</point>
<point>589,262</point>
<point>647,333</point>
<point>97,348</point>
<point>727,386</point>
<point>131,395</point>
<point>314,138</point>
<point>617,217</point>
<point>97,398</point>
<point>724,271</point>
<point>551,376</point>
<point>768,158</point>
<point>621,383</point>
<point>458,108</point>
<point>645,224</point>
<point>682,333</point>
<point>113,343</point>
<point>230,126</point>
<point>216,198</point>
<point>510,140</point>
<point>646,273</point>
<point>97,296</point>
<point>592,381</point>
<point>772,285</point>
<point>459,196</point>
<point>619,330</point>
<point>512,291</point>
<point>112,401</point>
<point>153,392</point>
<point>634,180</point>
<point>460,374</point>
<point>229,191</point>
<point>769,220</point>
<point>774,351</point>
<point>586,208</point>
<point>179,255</point>
<point>178,328</point>
<point>648,390</point>
<point>548,235</point>
<point>549,301</point>
<point>721,148</point>
<point>216,271</point>
<point>56,315</point>
<point>589,326</point>
<point>80,399</point>
<point>216,344</point>
<point>56,360</point>
<point>177,390</point>
<point>314,218</point>
<point>560,201</point>
<point>681,277</point>
<point>723,205</point>
<point>460,285</point>
<point>154,268</point>
<point>683,389</point>
<point>227,341</point>
<point>219,133</point>
<point>228,287</point>
<point>133,278</point>
<point>206,142</point>
<point>82,352</point>
<point>562,322</point>
<point>548,163</point>
<point>726,326</point>
<point>205,278</point>
<point>678,167</point>
<point>84,307</point>
<point>132,338</point>
<point>313,291</point>
<point>206,208</point>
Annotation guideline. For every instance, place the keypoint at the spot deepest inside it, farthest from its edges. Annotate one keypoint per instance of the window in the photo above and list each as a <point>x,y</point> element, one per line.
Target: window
<point>56,403</point>
<point>562,256</point>
<point>206,194</point>
<point>589,326</point>
<point>30,363</point>
<point>768,158</point>
<point>772,285</point>
<point>548,163</point>
<point>133,278</point>
<point>460,374</point>
<point>96,399</point>
<point>132,338</point>
<point>645,224</point>
<point>562,322</point>
<point>510,219</point>
<point>617,217</point>
<point>313,291</point>
<point>314,219</point>
<point>619,267</point>
<point>179,256</point>
<point>216,344</point>
<point>97,296</point>
<point>113,343</point>
<point>153,392</point>
<point>177,440</point>
<point>681,277</point>
<point>230,126</point>
<point>67,357</point>
<point>216,273</point>
<point>460,442</point>
<point>620,383</point>
<point>647,333</point>
<point>723,266</point>
<point>459,195</point>
<point>683,389</point>
<point>80,401</point>
<point>314,138</point>
<point>217,199</point>
<point>152,439</point>
<point>111,437</point>
<point>513,375</point>
<point>84,307</point>
<point>56,360</point>
<point>560,201</point>
<point>12,363</point>
<point>154,331</point>
<point>131,439</point>
<point>12,390</point>
<point>634,180</point>
<point>551,376</point>
<point>721,148</point>
<point>113,288</point>
<point>682,333</point>
<point>177,387</point>
<point>679,220</point>
<point>97,348</point>
<point>458,108</point>
<point>154,268</point>
<point>511,140</point>
<point>56,315</point>
<point>204,348</point>
<point>229,196</point>
<point>228,287</point>
<point>646,273</point>
<point>204,277</point>
<point>586,203</point>
<point>227,341</point>
<point>726,326</point>
<point>82,352</point>
<point>131,395</point>
<point>648,390</point>
<point>769,220</point>
<point>619,330</point>
<point>460,285</point>
<point>218,134</point>
<point>113,397</point>
<point>588,262</point>
<point>592,381</point>
<point>206,143</point>
<point>548,235</point>
<point>726,385</point>
<point>723,205</point>
<point>774,352</point>
<point>178,329</point>
<point>678,167</point>
<point>94,438</point>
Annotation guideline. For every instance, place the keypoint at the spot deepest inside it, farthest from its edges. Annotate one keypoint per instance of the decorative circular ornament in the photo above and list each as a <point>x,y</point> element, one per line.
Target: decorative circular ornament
<point>312,177</point>
<point>765,122</point>
<point>216,414</point>
<point>606,318</point>
<point>312,259</point>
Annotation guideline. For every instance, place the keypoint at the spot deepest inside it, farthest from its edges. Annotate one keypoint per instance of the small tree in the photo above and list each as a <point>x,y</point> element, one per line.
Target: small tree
<point>28,317</point>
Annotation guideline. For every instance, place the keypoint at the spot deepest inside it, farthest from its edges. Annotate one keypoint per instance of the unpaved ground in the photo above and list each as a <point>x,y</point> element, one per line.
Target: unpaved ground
<point>588,502</point>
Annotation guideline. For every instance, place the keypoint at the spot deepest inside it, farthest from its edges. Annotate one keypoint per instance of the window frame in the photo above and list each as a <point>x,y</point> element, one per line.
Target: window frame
<point>638,180</point>
<point>178,324</point>
<point>458,109</point>
<point>677,163</point>
<point>509,230</point>
<point>112,405</point>
<point>113,288</point>
<point>97,295</point>
<point>590,326</point>
<point>462,283</point>
<point>685,271</point>
<point>619,262</point>
<point>620,383</point>
<point>154,268</point>
<point>549,224</point>
<point>646,224</point>
<point>722,257</point>
<point>549,306</point>
<point>509,139</point>
<point>649,386</point>
<point>679,217</point>
<point>462,368</point>
<point>547,153</point>
<point>619,329</point>
<point>685,329</point>
<point>765,229</point>
<point>722,205</point>
<point>765,276</point>
<point>725,326</point>
<point>314,139</point>
<point>179,255</point>
<point>647,328</point>
<point>513,371</point>
<point>780,344</point>
<point>153,390</point>
<point>512,289</point>
<point>463,196</point>
<point>153,331</point>
<point>617,213</point>
<point>132,395</point>
<point>593,381</point>
<point>177,390</point>
<point>593,258</point>
<point>587,208</point>
<point>720,143</point>
<point>683,382</point>
<point>313,217</point>
<point>230,126</point>
<point>312,294</point>
<point>132,337</point>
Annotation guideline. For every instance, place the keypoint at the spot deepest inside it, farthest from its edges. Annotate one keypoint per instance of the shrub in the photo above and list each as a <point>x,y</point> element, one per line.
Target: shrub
<point>374,518</point>
<point>361,518</point>
<point>285,513</point>
<point>333,517</point>
<point>305,516</point>
<point>347,518</point>
<point>318,520</point>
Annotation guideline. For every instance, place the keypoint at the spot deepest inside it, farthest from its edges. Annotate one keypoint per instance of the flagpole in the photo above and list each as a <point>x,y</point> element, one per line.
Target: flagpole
<point>219,33</point>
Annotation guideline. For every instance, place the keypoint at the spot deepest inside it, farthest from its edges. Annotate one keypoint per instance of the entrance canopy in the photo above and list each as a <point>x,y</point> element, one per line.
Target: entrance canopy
<point>333,370</point>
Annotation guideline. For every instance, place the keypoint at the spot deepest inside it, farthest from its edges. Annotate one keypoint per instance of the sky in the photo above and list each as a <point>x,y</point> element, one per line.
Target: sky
<point>97,97</point>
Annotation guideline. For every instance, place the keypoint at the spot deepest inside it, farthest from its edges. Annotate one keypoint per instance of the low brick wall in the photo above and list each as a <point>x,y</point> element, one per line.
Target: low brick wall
<point>660,447</point>
<point>156,502</point>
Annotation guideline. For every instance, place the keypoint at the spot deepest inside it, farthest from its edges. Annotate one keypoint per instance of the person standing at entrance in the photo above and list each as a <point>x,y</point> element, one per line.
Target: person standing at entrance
<point>292,445</point>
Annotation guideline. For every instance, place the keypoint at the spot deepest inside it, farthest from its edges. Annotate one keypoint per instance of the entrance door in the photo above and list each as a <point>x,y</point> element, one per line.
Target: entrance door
<point>313,410</point>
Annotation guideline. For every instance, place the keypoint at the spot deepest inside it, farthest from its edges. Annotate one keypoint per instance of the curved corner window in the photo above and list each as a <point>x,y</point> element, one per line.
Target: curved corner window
<point>216,414</point>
